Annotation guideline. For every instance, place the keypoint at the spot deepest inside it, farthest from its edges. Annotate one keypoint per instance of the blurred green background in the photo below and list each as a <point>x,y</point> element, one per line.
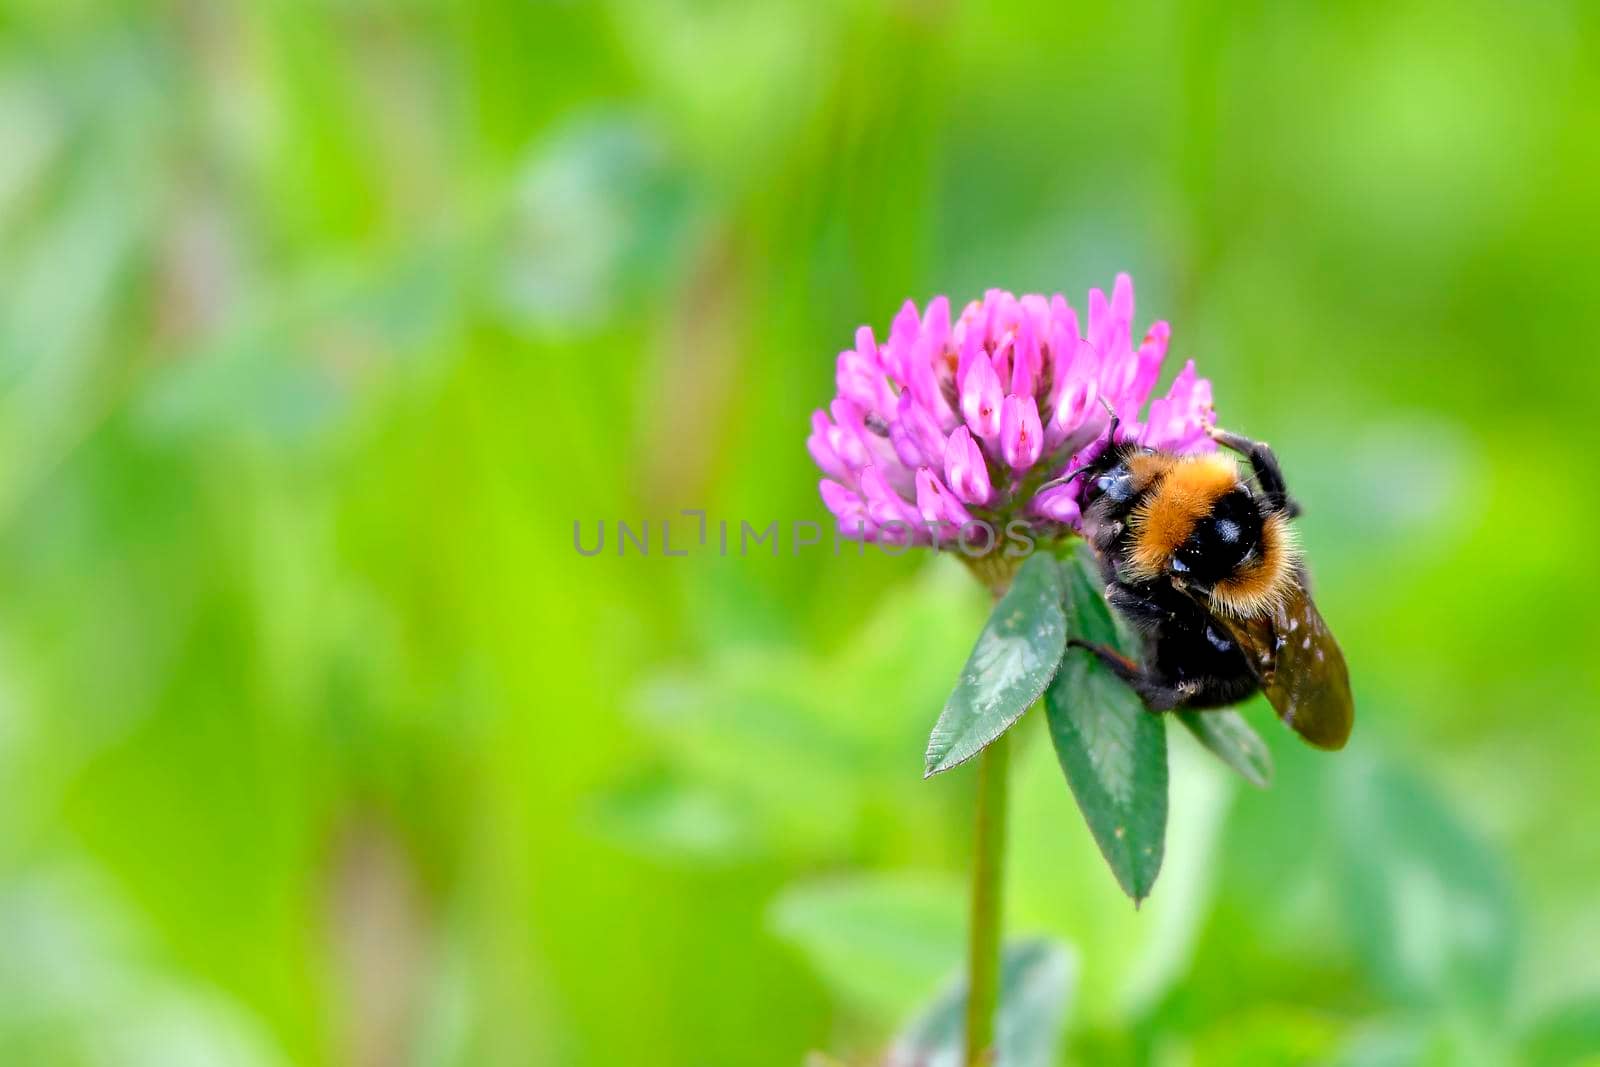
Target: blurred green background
<point>321,324</point>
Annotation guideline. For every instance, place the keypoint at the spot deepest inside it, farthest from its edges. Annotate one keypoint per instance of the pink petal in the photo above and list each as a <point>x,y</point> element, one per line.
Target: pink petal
<point>848,435</point>
<point>921,429</point>
<point>1099,320</point>
<point>936,503</point>
<point>965,470</point>
<point>842,502</point>
<point>861,381</point>
<point>971,349</point>
<point>1001,362</point>
<point>1021,437</point>
<point>1079,408</point>
<point>1178,421</point>
<point>936,324</point>
<point>980,399</point>
<point>903,335</point>
<point>1070,355</point>
<point>906,325</point>
<point>923,377</point>
<point>1147,367</point>
<point>1026,365</point>
<point>1121,324</point>
<point>884,505</point>
<point>866,345</point>
<point>822,451</point>
<point>1059,503</point>
<point>1036,312</point>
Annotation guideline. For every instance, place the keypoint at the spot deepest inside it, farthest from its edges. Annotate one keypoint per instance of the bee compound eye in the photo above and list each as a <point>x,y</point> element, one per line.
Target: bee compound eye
<point>1179,565</point>
<point>1116,484</point>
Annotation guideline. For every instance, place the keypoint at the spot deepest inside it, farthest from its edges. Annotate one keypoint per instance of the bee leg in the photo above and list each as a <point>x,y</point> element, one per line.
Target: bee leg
<point>1137,606</point>
<point>1268,474</point>
<point>1157,695</point>
<point>1120,665</point>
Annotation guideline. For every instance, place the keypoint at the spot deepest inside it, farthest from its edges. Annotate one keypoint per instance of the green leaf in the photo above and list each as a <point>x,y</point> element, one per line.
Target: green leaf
<point>1445,1040</point>
<point>1569,1035</point>
<point>881,941</point>
<point>1389,1044</point>
<point>1035,983</point>
<point>1266,1033</point>
<point>1428,905</point>
<point>666,817</point>
<point>1227,734</point>
<point>1113,751</point>
<point>780,737</point>
<point>1016,656</point>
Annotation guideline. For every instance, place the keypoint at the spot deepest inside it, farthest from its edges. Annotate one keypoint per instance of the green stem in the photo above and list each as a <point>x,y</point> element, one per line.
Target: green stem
<point>983,958</point>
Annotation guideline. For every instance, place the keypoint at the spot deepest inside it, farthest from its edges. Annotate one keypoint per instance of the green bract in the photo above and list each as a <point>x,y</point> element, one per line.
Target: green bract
<point>1016,656</point>
<point>1111,749</point>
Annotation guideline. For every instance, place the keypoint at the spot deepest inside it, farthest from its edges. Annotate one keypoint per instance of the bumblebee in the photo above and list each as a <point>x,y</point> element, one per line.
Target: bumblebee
<point>1205,567</point>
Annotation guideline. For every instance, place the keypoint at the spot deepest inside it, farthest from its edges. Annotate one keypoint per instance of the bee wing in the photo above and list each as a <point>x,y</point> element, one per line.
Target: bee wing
<point>1301,669</point>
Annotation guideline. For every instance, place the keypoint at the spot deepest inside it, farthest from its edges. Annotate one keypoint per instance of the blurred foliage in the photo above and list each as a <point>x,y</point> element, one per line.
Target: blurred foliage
<point>1035,983</point>
<point>322,324</point>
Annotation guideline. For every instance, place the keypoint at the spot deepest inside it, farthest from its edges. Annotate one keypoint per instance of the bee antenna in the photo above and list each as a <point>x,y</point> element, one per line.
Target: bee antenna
<point>1111,444</point>
<point>1111,438</point>
<point>1064,479</point>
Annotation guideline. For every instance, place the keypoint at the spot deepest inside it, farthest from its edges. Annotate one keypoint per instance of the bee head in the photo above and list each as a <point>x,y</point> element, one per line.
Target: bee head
<point>1111,477</point>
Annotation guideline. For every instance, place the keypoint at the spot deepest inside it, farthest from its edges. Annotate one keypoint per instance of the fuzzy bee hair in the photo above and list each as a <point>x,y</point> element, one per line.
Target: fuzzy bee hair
<point>1205,568</point>
<point>1179,495</point>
